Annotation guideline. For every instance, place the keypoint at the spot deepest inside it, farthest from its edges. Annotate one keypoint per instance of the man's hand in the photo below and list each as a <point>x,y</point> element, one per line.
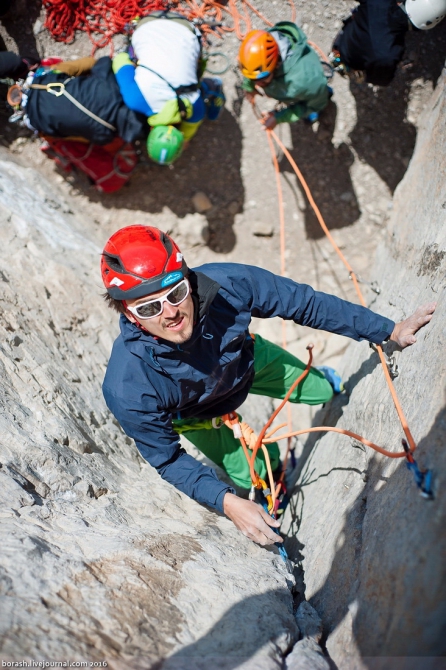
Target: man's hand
<point>251,519</point>
<point>269,121</point>
<point>250,96</point>
<point>404,332</point>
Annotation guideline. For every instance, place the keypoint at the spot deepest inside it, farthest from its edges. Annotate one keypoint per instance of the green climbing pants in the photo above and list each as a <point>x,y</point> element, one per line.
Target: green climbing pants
<point>275,371</point>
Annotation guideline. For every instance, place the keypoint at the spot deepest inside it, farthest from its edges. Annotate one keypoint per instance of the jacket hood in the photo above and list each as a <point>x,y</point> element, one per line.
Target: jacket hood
<point>204,290</point>
<point>298,41</point>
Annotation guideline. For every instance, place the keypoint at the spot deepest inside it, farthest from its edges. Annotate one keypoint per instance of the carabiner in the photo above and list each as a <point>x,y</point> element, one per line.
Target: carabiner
<point>54,84</point>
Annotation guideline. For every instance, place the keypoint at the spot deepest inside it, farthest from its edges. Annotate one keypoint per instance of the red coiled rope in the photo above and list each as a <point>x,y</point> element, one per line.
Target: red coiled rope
<point>101,19</point>
<point>98,18</point>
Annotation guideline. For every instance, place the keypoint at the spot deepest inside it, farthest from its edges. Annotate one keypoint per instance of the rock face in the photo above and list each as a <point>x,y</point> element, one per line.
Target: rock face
<point>100,559</point>
<point>372,549</point>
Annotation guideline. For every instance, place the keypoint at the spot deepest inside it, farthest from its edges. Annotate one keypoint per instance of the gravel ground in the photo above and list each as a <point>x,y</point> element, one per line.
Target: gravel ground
<point>353,159</point>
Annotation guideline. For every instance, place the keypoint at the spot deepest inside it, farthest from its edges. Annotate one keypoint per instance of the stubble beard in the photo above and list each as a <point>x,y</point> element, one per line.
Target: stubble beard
<point>181,336</point>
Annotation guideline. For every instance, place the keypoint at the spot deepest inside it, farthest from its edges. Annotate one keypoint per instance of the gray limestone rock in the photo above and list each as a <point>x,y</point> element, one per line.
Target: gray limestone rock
<point>307,655</point>
<point>101,559</point>
<point>372,548</point>
<point>309,622</point>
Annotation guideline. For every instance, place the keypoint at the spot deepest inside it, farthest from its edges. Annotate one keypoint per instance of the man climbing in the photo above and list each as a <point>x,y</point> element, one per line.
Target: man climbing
<point>371,42</point>
<point>164,84</point>
<point>280,62</point>
<point>185,357</point>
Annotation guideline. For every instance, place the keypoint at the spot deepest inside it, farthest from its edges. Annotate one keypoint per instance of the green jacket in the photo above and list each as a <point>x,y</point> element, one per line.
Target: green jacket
<point>299,81</point>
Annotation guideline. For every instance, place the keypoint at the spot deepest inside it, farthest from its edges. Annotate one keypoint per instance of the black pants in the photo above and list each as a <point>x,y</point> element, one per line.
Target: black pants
<point>14,66</point>
<point>5,6</point>
<point>372,39</point>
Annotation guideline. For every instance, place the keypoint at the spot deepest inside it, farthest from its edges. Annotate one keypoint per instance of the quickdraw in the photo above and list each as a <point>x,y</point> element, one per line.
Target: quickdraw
<point>423,478</point>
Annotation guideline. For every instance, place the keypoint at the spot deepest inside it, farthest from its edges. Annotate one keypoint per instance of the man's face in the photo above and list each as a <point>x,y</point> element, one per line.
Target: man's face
<point>264,82</point>
<point>175,323</point>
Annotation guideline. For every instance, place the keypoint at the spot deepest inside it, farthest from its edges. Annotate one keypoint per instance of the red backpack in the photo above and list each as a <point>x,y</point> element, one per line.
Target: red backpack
<point>109,167</point>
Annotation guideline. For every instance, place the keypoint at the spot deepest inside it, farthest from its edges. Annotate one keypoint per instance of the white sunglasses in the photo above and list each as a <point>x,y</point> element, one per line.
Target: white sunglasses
<point>152,308</point>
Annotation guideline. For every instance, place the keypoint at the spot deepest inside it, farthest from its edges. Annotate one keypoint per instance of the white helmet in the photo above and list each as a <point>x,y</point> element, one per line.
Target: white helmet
<point>425,14</point>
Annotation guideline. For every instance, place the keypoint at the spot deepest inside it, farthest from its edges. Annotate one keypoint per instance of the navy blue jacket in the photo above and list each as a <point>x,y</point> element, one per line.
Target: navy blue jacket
<point>98,92</point>
<point>149,381</point>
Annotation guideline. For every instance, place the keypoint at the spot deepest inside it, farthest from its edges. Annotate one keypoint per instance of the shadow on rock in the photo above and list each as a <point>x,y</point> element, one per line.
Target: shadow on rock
<point>326,169</point>
<point>239,635</point>
<point>383,136</point>
<point>388,572</point>
<point>329,415</point>
<point>210,165</point>
<point>19,24</point>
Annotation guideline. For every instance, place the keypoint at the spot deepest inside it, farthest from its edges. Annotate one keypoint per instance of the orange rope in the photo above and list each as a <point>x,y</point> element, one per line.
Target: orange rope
<point>316,210</point>
<point>283,403</point>
<point>256,11</point>
<point>343,431</point>
<point>231,420</point>
<point>282,272</point>
<point>101,21</point>
<point>319,51</point>
<point>265,437</point>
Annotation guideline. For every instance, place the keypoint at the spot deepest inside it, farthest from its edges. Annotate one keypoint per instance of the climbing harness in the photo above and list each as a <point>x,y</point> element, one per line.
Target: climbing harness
<point>179,90</point>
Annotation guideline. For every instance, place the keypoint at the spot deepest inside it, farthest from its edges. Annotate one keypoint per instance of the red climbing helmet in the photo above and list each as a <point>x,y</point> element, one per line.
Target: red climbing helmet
<point>139,260</point>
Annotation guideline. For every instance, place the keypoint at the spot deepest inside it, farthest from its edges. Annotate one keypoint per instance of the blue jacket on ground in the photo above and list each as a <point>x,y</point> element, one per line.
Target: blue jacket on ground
<point>150,381</point>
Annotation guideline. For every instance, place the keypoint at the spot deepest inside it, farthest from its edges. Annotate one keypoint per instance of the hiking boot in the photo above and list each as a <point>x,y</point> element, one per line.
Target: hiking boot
<point>333,378</point>
<point>312,117</point>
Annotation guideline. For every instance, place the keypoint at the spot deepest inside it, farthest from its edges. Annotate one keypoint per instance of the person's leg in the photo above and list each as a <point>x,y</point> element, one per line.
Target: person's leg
<point>14,66</point>
<point>75,68</point>
<point>277,369</point>
<point>221,447</point>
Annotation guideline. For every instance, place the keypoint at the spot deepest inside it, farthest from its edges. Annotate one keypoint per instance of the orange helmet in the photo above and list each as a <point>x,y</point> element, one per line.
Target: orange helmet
<point>258,54</point>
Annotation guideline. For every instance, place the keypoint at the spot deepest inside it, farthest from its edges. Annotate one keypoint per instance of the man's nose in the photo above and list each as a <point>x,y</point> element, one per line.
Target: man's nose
<point>169,311</point>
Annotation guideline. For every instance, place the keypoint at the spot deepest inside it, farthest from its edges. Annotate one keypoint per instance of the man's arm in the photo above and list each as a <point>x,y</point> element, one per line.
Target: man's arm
<point>159,445</point>
<point>271,295</point>
<point>124,71</point>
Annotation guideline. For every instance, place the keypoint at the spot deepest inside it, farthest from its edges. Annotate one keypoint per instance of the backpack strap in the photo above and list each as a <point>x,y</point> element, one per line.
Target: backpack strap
<point>51,88</point>
<point>180,90</point>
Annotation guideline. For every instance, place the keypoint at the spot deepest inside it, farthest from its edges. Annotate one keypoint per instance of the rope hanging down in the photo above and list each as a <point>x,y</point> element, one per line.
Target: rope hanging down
<point>247,436</point>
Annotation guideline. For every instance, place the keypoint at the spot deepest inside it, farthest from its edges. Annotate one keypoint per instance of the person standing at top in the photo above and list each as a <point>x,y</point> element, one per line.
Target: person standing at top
<point>280,62</point>
<point>164,85</point>
<point>371,41</point>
